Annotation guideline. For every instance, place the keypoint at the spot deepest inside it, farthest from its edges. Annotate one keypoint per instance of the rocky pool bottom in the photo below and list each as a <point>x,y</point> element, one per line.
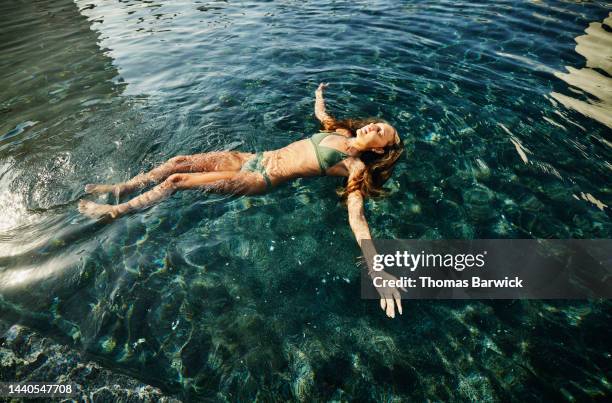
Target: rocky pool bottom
<point>456,351</point>
<point>28,356</point>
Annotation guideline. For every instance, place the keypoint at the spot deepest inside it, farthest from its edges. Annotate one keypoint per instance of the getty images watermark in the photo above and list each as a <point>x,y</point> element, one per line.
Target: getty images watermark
<point>491,269</point>
<point>459,262</point>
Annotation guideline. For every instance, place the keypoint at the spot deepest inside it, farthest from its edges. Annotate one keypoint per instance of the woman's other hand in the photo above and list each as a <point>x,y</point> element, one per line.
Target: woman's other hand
<point>322,86</point>
<point>389,296</point>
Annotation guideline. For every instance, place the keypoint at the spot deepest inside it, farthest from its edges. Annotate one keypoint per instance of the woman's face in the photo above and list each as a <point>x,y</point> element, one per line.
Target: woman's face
<point>376,135</point>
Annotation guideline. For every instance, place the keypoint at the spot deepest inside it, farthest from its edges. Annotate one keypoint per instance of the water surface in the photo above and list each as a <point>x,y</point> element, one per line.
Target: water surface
<point>505,107</point>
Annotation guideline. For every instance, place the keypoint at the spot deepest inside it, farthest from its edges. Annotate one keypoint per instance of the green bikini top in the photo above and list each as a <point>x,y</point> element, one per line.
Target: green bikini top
<point>326,156</point>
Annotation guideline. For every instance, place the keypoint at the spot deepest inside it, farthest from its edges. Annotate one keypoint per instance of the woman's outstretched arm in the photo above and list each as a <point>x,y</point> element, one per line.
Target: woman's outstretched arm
<point>357,219</point>
<point>389,297</point>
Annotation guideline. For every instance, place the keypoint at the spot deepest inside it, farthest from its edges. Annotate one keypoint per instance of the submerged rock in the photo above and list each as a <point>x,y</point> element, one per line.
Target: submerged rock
<point>26,356</point>
<point>302,376</point>
<point>478,202</point>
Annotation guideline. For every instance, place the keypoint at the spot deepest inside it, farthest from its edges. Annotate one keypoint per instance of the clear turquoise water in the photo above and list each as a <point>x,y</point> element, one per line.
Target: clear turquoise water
<point>226,298</point>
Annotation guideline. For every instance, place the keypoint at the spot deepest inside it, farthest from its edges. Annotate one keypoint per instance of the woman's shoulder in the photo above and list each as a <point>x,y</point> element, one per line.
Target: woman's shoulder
<point>354,165</point>
<point>343,132</point>
<point>337,132</point>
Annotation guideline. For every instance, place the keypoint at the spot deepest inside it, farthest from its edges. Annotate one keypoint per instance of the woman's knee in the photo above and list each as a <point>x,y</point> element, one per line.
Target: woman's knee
<point>179,159</point>
<point>176,181</point>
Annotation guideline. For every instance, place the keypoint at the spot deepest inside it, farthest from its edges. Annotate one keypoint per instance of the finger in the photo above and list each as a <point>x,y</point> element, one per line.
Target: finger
<point>403,289</point>
<point>390,308</point>
<point>398,301</point>
<point>383,304</point>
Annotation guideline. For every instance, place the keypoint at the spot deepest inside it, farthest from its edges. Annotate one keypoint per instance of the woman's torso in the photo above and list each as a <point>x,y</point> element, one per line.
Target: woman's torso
<point>300,159</point>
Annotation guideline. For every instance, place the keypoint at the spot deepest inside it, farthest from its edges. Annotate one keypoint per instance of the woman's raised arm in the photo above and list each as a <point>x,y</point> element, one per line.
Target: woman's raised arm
<point>326,120</point>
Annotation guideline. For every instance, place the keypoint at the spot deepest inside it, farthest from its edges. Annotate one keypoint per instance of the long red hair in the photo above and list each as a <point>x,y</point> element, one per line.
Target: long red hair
<point>378,167</point>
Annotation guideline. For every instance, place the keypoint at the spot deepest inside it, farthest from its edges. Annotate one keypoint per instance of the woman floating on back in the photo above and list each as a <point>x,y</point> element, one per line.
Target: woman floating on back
<point>364,151</point>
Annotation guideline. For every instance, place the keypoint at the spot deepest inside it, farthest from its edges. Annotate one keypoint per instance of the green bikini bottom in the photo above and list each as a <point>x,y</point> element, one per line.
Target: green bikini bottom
<point>254,165</point>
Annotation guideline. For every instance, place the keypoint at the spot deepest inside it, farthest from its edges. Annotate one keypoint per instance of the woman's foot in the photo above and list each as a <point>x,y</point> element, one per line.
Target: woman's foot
<point>92,188</point>
<point>95,210</point>
<point>99,189</point>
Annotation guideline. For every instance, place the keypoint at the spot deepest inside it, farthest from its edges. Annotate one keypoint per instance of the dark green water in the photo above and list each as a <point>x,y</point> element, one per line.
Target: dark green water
<point>225,298</point>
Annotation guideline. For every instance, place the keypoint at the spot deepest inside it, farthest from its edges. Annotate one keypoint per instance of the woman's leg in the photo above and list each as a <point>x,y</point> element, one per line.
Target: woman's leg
<point>220,182</point>
<point>205,162</point>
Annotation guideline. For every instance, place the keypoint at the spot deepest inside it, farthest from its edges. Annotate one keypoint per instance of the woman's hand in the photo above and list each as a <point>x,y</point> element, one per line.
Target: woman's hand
<point>389,296</point>
<point>321,87</point>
